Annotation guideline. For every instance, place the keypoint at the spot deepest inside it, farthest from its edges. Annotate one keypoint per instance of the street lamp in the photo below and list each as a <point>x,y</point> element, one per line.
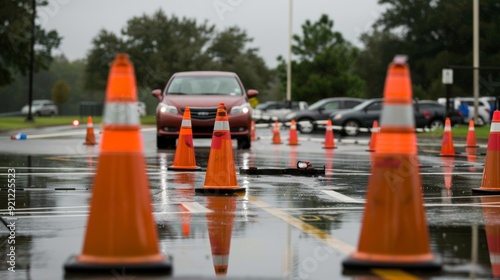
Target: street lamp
<point>475,55</point>
<point>289,64</point>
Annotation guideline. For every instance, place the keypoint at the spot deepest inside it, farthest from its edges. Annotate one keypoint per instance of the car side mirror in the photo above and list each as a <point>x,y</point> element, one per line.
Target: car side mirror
<point>157,93</point>
<point>252,93</point>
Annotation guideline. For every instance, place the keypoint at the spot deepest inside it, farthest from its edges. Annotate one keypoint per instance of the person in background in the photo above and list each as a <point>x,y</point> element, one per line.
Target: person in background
<point>464,110</point>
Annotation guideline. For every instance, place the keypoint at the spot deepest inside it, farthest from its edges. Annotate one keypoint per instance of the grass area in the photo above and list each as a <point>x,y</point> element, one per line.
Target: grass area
<point>15,123</point>
<point>461,131</point>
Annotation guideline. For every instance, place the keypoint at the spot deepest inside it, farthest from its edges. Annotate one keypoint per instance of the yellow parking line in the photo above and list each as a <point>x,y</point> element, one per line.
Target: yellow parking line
<point>336,244</point>
<point>331,241</point>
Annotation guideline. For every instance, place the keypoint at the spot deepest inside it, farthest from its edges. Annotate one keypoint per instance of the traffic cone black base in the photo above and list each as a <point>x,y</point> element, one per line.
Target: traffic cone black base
<point>355,264</point>
<point>219,191</point>
<point>485,191</point>
<point>72,266</point>
<point>184,169</point>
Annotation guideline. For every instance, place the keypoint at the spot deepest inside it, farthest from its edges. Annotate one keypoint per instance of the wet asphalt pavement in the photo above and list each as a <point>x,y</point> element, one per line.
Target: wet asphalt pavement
<point>283,227</point>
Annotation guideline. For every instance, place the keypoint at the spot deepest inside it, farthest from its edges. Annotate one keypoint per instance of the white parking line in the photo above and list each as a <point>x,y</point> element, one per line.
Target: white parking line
<point>195,207</point>
<point>342,198</point>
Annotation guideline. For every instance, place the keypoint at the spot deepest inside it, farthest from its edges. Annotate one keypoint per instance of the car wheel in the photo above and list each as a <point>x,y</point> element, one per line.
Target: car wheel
<point>480,121</point>
<point>244,143</point>
<point>305,126</point>
<point>351,128</point>
<point>435,124</point>
<point>165,143</point>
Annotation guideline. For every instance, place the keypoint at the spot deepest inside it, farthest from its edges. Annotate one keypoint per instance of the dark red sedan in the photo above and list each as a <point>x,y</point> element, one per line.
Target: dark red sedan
<point>202,91</point>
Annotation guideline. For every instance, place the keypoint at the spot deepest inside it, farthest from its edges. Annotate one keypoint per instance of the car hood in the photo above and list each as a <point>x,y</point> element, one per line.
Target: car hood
<point>203,100</point>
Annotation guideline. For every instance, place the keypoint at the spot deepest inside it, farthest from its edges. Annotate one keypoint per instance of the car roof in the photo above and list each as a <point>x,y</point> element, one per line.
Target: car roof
<point>206,73</point>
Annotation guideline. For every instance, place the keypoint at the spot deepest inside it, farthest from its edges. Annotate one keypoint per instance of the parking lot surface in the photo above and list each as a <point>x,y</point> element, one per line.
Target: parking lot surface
<point>282,227</point>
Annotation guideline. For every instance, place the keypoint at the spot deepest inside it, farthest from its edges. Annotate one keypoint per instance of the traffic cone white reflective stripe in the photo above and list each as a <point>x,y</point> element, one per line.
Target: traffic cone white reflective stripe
<point>121,113</point>
<point>293,126</point>
<point>221,125</point>
<point>221,260</point>
<point>447,127</point>
<point>397,115</point>
<point>495,127</point>
<point>90,125</point>
<point>186,123</point>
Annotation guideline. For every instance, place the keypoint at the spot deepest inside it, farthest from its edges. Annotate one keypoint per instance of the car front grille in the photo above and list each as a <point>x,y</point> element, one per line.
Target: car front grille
<point>202,113</point>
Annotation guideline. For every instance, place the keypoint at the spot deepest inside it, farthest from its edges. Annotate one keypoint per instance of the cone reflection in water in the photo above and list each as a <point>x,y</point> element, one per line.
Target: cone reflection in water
<point>185,189</point>
<point>184,154</point>
<point>447,147</point>
<point>220,229</point>
<point>394,229</point>
<point>471,157</point>
<point>90,137</point>
<point>329,165</point>
<point>491,175</point>
<point>276,133</point>
<point>329,138</point>
<point>491,215</point>
<point>121,233</point>
<point>293,157</point>
<point>447,166</point>
<point>221,173</point>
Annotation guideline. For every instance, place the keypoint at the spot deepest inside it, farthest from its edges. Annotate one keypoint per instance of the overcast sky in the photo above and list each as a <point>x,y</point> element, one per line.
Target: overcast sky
<point>266,21</point>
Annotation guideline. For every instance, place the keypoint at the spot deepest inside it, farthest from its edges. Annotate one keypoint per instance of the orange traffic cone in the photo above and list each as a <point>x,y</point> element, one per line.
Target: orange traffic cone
<point>394,229</point>
<point>184,159</point>
<point>447,148</point>
<point>276,133</point>
<point>293,139</point>
<point>491,176</point>
<point>329,142</point>
<point>220,228</point>
<point>373,139</point>
<point>252,132</point>
<point>221,173</point>
<point>492,226</point>
<point>471,136</point>
<point>121,233</point>
<point>90,137</point>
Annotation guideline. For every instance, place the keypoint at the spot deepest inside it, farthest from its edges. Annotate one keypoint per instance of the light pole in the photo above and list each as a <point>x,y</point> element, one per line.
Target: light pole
<point>475,55</point>
<point>289,64</point>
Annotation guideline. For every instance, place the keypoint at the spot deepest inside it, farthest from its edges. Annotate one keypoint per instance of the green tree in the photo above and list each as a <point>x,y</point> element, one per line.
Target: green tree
<point>15,40</point>
<point>60,93</point>
<point>323,65</point>
<point>434,34</point>
<point>160,46</point>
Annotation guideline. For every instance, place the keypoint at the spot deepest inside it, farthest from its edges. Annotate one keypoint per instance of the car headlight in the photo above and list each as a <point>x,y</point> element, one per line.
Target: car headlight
<point>242,109</point>
<point>337,117</point>
<point>164,108</point>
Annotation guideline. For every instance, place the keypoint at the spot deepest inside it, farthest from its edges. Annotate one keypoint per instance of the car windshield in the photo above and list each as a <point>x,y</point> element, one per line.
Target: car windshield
<point>317,104</point>
<point>362,105</point>
<point>217,85</point>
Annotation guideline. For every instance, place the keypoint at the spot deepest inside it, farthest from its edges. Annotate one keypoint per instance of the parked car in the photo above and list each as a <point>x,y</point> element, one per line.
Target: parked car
<point>365,113</point>
<point>275,110</point>
<point>435,113</point>
<point>320,111</point>
<point>202,91</point>
<point>141,108</point>
<point>484,108</point>
<point>41,107</point>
